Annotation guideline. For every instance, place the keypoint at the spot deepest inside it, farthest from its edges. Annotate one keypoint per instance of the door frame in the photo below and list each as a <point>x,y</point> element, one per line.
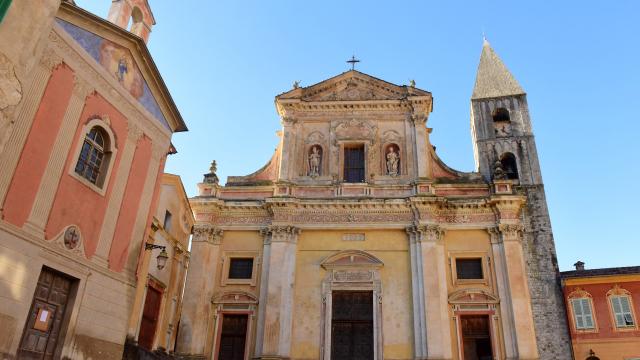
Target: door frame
<point>351,270</point>
<point>491,319</point>
<point>162,288</point>
<point>233,303</point>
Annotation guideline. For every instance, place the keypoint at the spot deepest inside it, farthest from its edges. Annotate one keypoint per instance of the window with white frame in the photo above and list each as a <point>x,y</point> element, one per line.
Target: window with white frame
<point>621,306</point>
<point>94,156</point>
<point>582,313</point>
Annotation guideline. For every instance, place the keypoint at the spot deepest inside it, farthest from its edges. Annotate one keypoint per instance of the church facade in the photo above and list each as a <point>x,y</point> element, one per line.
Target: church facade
<point>355,241</point>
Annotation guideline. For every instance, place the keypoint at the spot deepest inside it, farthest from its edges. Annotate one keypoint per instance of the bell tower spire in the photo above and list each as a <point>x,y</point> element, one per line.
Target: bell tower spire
<point>133,15</point>
<point>505,148</point>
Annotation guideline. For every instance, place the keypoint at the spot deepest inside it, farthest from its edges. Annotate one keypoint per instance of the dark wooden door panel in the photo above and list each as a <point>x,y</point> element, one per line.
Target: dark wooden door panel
<point>41,335</point>
<point>150,315</point>
<point>233,337</point>
<point>352,325</point>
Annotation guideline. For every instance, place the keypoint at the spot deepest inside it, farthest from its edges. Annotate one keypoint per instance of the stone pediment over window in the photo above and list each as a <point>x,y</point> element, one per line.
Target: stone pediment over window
<point>351,258</point>
<point>472,296</point>
<point>353,86</point>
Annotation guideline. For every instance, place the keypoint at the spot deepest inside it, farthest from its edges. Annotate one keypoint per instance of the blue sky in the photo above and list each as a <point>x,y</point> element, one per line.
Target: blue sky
<point>579,62</point>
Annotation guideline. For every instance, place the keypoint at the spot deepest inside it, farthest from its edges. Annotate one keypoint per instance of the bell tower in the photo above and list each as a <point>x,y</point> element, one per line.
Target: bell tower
<point>505,149</point>
<point>134,16</point>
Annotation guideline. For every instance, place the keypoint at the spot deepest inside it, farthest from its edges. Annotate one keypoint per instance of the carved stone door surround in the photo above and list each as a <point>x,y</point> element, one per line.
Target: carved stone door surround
<point>351,270</point>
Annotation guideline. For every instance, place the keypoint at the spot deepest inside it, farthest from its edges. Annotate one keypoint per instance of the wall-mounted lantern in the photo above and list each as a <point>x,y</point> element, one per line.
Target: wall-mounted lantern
<point>162,257</point>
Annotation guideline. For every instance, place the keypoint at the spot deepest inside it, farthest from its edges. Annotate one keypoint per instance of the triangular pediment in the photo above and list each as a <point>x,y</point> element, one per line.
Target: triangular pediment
<point>352,86</point>
<point>123,58</point>
<point>472,296</point>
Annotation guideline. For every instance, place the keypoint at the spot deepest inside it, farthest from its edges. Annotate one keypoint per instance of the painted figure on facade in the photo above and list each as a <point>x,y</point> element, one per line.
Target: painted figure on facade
<point>122,69</point>
<point>393,160</point>
<point>314,161</point>
<point>71,238</point>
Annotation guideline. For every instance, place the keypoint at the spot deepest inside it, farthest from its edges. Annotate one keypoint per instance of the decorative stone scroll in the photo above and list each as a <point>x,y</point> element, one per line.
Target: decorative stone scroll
<point>429,232</point>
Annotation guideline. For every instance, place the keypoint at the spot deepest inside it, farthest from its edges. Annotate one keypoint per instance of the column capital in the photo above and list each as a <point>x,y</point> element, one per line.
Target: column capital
<point>511,232</point>
<point>288,120</point>
<point>134,132</point>
<point>81,87</point>
<point>50,59</point>
<point>426,233</point>
<point>280,233</point>
<point>207,233</point>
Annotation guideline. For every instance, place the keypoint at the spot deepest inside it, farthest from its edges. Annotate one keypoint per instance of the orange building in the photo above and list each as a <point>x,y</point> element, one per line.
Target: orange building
<point>85,127</point>
<point>603,307</point>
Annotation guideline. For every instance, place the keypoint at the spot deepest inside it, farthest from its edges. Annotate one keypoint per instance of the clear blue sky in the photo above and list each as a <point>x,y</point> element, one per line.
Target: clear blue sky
<point>579,62</point>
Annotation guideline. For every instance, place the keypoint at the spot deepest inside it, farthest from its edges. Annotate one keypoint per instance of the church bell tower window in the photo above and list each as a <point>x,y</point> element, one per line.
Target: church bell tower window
<point>509,165</point>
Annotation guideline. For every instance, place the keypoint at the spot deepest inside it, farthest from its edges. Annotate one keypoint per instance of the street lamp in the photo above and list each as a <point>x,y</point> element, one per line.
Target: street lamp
<point>162,257</point>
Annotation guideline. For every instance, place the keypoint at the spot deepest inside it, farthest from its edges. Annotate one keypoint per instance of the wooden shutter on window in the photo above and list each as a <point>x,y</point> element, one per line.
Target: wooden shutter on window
<point>582,313</point>
<point>622,311</point>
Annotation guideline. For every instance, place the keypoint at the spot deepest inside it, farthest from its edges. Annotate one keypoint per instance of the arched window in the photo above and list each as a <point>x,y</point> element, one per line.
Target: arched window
<point>509,165</point>
<point>94,156</point>
<point>501,114</point>
<point>136,19</point>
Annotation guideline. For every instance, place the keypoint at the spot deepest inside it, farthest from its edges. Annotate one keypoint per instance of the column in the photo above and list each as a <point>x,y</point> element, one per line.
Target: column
<point>196,301</point>
<point>417,291</point>
<point>502,283</point>
<point>430,241</point>
<point>516,276</point>
<point>134,133</point>
<point>273,340</point>
<point>25,113</point>
<point>55,166</point>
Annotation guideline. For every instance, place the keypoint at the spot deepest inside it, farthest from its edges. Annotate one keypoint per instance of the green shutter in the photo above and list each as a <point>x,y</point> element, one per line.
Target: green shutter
<point>4,6</point>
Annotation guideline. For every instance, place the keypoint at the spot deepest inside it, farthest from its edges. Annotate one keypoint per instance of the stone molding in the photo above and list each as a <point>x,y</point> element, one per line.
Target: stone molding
<point>207,233</point>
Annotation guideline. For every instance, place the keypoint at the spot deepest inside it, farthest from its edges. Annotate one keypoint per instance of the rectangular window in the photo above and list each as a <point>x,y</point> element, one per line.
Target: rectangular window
<point>469,269</point>
<point>622,311</point>
<point>241,268</point>
<point>582,313</point>
<point>354,164</point>
<point>167,220</point>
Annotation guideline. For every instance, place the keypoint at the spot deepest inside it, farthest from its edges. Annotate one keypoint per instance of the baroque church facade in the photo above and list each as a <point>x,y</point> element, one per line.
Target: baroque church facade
<point>355,241</point>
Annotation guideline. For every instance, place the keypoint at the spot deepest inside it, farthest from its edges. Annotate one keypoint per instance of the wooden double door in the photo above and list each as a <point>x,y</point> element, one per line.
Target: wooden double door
<point>352,325</point>
<point>42,337</point>
<point>233,337</point>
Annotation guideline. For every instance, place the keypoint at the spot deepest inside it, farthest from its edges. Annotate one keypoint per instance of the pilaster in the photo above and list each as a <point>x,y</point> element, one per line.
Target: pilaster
<point>417,292</point>
<point>196,306</point>
<point>25,115</point>
<point>525,337</point>
<point>419,123</point>
<point>134,133</point>
<point>55,166</point>
<point>430,243</point>
<point>288,142</point>
<point>273,339</point>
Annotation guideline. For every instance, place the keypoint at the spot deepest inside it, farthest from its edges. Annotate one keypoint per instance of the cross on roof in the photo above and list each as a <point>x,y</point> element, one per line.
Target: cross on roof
<point>353,62</point>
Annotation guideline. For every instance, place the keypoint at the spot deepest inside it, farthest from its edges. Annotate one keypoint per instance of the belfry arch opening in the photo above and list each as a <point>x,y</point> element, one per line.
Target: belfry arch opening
<point>136,19</point>
<point>501,115</point>
<point>509,165</point>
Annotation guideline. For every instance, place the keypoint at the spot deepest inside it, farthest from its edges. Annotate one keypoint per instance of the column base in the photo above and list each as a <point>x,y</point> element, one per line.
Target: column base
<point>33,229</point>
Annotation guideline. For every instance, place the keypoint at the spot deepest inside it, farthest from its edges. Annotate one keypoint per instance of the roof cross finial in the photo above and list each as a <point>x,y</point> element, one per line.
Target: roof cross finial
<point>353,62</point>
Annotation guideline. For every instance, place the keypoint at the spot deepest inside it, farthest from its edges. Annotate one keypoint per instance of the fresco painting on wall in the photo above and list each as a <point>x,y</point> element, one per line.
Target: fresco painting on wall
<point>118,62</point>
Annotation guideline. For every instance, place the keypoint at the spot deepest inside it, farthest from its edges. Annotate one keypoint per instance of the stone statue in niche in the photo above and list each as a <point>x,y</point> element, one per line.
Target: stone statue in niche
<point>393,161</point>
<point>315,158</point>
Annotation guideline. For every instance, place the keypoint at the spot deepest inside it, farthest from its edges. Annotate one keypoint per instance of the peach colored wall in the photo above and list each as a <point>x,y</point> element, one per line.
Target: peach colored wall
<point>602,310</point>
<point>130,204</point>
<point>37,148</point>
<point>74,200</point>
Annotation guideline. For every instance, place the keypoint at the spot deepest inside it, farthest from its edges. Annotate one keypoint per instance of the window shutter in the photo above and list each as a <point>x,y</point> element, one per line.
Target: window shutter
<point>622,311</point>
<point>582,313</point>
